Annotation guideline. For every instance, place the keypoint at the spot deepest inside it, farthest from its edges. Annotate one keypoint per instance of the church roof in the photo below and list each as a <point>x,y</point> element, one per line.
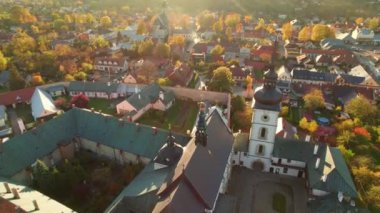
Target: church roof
<point>42,104</point>
<point>268,97</point>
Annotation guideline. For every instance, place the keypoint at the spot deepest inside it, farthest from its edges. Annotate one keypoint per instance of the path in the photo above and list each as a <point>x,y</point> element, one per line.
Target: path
<point>13,118</point>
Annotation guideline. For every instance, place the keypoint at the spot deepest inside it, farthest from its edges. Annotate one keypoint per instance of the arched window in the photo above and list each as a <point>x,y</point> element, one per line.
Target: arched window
<point>263,133</point>
<point>260,149</point>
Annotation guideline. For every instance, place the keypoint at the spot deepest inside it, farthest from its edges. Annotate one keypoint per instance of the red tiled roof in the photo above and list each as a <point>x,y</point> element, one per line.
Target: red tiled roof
<point>256,65</point>
<point>21,95</point>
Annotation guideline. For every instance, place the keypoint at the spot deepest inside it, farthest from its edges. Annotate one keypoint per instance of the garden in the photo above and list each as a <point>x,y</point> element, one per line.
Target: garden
<point>180,117</point>
<point>87,183</point>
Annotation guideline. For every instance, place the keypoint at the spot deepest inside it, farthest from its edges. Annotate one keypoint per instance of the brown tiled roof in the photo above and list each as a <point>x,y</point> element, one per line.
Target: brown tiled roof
<point>21,95</point>
<point>194,184</point>
<point>180,75</point>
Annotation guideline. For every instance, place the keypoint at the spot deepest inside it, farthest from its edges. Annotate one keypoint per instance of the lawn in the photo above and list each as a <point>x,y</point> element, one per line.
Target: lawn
<point>102,104</point>
<point>279,203</point>
<point>181,117</point>
<point>24,112</point>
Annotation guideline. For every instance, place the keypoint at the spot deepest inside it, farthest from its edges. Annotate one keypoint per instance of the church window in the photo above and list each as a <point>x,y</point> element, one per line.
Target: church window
<point>263,133</point>
<point>265,118</point>
<point>260,149</point>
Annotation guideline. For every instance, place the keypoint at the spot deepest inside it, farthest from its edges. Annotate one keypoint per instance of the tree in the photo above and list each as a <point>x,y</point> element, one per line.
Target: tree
<point>359,21</point>
<point>162,50</point>
<point>247,19</point>
<point>217,50</point>
<point>69,77</point>
<point>15,80</point>
<point>221,80</point>
<point>314,100</point>
<point>373,23</point>
<point>344,138</point>
<point>284,111</point>
<point>287,30</point>
<point>303,123</point>
<point>178,40</point>
<point>360,107</point>
<point>205,20</point>
<point>3,62</point>
<point>348,154</point>
<point>229,34</point>
<point>321,31</point>
<point>148,69</point>
<point>99,42</point>
<point>242,119</point>
<point>37,79</point>
<point>164,82</point>
<point>373,196</point>
<point>305,33</point>
<point>105,22</point>
<point>42,178</point>
<point>310,126</point>
<point>260,24</point>
<point>145,48</point>
<point>232,20</point>
<point>218,26</point>
<point>80,76</point>
<point>80,101</point>
<point>21,15</point>
<point>141,28</point>
<point>22,43</point>
<point>237,104</point>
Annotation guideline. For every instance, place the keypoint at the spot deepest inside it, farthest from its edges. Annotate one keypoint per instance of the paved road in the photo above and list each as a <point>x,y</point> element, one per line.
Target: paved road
<point>256,195</point>
<point>13,118</point>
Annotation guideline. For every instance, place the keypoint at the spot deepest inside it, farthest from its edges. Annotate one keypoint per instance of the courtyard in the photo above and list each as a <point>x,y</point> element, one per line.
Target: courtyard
<point>265,192</point>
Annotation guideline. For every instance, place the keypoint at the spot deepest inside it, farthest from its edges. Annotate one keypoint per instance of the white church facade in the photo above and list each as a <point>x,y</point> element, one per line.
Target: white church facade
<point>263,150</point>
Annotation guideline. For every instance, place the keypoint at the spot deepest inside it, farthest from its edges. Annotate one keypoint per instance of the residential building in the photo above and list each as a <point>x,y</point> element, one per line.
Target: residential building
<point>12,98</point>
<point>363,35</point>
<point>42,105</point>
<point>111,64</point>
<point>93,89</point>
<point>180,74</point>
<point>149,97</point>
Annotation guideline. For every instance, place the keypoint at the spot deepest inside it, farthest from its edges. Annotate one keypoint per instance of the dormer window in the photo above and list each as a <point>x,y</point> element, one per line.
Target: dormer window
<point>99,62</point>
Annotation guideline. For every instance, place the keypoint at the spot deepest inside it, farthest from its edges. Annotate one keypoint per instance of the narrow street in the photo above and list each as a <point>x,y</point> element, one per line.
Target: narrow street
<point>13,118</point>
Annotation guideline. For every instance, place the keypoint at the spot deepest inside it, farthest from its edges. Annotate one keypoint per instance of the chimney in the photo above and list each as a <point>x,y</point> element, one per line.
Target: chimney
<point>108,83</point>
<point>317,163</point>
<point>15,193</point>
<point>161,95</point>
<point>316,146</point>
<point>7,189</point>
<point>35,204</point>
<point>154,130</point>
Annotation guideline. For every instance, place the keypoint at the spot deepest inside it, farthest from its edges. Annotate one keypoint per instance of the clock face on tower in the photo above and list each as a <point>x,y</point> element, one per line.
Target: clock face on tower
<point>265,118</point>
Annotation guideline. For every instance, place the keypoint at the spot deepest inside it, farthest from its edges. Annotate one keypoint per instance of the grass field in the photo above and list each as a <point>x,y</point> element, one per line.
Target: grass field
<point>24,112</point>
<point>279,203</point>
<point>102,104</point>
<point>181,117</point>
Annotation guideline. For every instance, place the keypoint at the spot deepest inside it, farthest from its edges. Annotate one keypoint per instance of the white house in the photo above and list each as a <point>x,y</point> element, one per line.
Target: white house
<point>111,64</point>
<point>363,34</point>
<point>42,104</point>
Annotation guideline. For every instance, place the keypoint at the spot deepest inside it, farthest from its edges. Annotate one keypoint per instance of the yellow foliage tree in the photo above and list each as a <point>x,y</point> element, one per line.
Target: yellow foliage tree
<point>37,79</point>
<point>260,24</point>
<point>177,39</point>
<point>359,21</point>
<point>305,33</point>
<point>313,126</point>
<point>321,31</point>
<point>141,28</point>
<point>105,21</point>
<point>314,100</point>
<point>287,30</point>
<point>373,23</point>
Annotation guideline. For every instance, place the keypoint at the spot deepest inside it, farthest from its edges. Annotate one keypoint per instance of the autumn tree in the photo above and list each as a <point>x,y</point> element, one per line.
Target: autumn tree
<point>80,101</point>
<point>217,50</point>
<point>164,82</point>
<point>373,23</point>
<point>359,21</point>
<point>360,107</point>
<point>178,40</point>
<point>99,42</point>
<point>287,30</point>
<point>149,70</point>
<point>305,34</point>
<point>105,22</point>
<point>205,20</point>
<point>37,79</point>
<point>373,196</point>
<point>232,20</point>
<point>162,50</point>
<point>142,28</point>
<point>21,15</point>
<point>15,80</point>
<point>218,26</point>
<point>314,100</point>
<point>241,120</point>
<point>237,104</point>
<point>310,126</point>
<point>145,48</point>
<point>260,24</point>
<point>22,43</point>
<point>3,62</point>
<point>321,31</point>
<point>221,80</point>
<point>247,19</point>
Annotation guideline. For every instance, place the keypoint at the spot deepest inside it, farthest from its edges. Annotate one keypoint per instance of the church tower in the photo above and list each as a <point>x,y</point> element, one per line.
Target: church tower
<point>266,108</point>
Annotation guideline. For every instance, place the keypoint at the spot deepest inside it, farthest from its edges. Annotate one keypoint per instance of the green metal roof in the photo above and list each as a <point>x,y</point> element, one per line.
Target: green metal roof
<point>331,164</point>
<point>150,94</point>
<point>23,150</point>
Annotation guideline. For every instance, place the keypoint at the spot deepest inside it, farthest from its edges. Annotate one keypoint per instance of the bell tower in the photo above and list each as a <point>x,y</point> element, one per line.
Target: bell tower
<point>266,109</point>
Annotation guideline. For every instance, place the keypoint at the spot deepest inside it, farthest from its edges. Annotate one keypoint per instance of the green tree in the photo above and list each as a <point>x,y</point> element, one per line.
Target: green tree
<point>3,62</point>
<point>314,100</point>
<point>345,138</point>
<point>80,76</point>
<point>162,50</point>
<point>360,107</point>
<point>221,80</point>
<point>237,104</point>
<point>15,80</point>
<point>217,50</point>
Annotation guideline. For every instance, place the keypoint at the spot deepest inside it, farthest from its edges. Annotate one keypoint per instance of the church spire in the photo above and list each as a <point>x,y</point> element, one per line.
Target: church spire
<point>200,134</point>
